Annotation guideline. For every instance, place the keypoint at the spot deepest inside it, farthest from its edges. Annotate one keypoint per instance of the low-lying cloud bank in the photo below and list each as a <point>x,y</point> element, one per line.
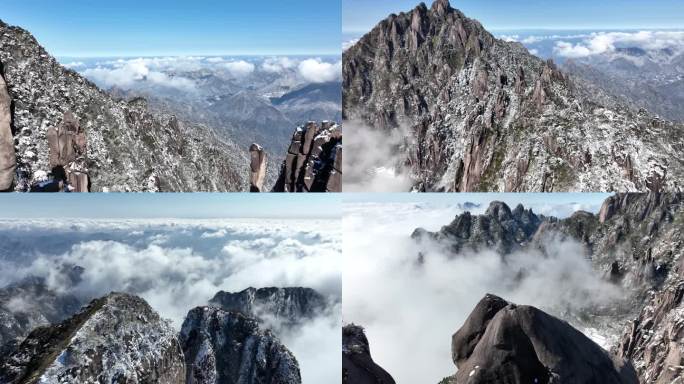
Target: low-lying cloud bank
<point>603,42</point>
<point>373,161</point>
<point>410,310</point>
<point>177,265</point>
<point>177,72</point>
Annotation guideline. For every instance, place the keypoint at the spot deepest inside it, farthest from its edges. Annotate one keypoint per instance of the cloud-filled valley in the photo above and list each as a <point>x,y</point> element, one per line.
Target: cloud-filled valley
<point>410,305</point>
<point>176,265</point>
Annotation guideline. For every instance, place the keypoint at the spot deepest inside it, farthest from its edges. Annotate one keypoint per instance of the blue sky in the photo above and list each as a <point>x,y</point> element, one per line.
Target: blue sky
<point>86,28</point>
<point>169,205</point>
<point>361,15</point>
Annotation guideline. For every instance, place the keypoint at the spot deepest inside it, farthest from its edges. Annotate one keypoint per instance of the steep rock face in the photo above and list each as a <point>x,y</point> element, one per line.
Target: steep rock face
<point>508,343</point>
<point>485,115</point>
<point>499,228</point>
<point>357,365</point>
<point>314,160</point>
<point>28,304</point>
<point>289,306</point>
<point>227,347</point>
<point>655,340</point>
<point>115,339</point>
<point>126,143</point>
<point>8,161</point>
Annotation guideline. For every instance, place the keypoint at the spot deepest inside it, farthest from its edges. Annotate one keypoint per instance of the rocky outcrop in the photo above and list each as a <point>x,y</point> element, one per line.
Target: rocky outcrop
<point>502,119</point>
<point>68,150</point>
<point>8,162</point>
<point>357,365</point>
<point>257,170</point>
<point>228,347</point>
<point>504,342</point>
<point>284,306</point>
<point>126,142</point>
<point>314,160</point>
<point>498,228</point>
<point>29,304</point>
<point>115,339</point>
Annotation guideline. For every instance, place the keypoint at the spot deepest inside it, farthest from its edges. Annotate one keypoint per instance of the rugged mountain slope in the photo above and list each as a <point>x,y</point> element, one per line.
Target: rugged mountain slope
<point>314,160</point>
<point>227,347</point>
<point>313,102</point>
<point>646,78</point>
<point>357,365</point>
<point>486,115</point>
<point>507,343</point>
<point>115,339</point>
<point>286,306</point>
<point>28,304</point>
<point>128,147</point>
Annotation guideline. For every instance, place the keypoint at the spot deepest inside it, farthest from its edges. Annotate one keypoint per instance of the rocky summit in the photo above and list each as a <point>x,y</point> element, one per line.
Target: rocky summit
<point>115,339</point>
<point>56,117</point>
<point>357,365</point>
<point>504,342</point>
<point>228,347</point>
<point>486,115</point>
<point>285,306</point>
<point>314,160</point>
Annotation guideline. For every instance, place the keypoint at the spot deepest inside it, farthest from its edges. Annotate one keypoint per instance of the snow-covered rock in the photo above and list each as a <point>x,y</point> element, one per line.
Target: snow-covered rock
<point>228,347</point>
<point>115,339</point>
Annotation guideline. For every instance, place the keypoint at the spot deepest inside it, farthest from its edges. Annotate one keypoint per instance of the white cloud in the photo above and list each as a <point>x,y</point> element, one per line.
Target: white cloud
<point>75,64</point>
<point>215,60</point>
<point>127,73</point>
<point>278,64</point>
<point>373,161</point>
<point>319,71</point>
<point>239,68</point>
<point>603,42</point>
<point>348,44</point>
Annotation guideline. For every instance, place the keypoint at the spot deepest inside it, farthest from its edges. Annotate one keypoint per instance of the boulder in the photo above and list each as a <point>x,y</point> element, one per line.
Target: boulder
<point>257,173</point>
<point>357,365</point>
<point>502,342</point>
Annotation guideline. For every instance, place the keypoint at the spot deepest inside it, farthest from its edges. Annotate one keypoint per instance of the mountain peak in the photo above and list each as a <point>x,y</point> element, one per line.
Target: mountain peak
<point>441,7</point>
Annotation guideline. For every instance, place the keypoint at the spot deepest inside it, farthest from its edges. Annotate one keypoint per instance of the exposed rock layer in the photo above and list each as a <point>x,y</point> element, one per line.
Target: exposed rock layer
<point>314,160</point>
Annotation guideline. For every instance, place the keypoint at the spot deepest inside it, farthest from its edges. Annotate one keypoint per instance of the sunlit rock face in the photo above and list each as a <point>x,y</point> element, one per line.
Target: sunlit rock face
<point>486,115</point>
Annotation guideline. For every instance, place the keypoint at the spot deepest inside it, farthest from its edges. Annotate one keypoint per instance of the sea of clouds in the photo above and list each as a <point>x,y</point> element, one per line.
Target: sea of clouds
<point>171,71</point>
<point>410,310</point>
<point>562,45</point>
<point>176,265</point>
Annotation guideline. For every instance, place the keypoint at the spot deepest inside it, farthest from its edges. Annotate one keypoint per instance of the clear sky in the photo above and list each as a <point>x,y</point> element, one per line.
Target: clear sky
<point>89,28</point>
<point>359,16</point>
<point>169,205</point>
